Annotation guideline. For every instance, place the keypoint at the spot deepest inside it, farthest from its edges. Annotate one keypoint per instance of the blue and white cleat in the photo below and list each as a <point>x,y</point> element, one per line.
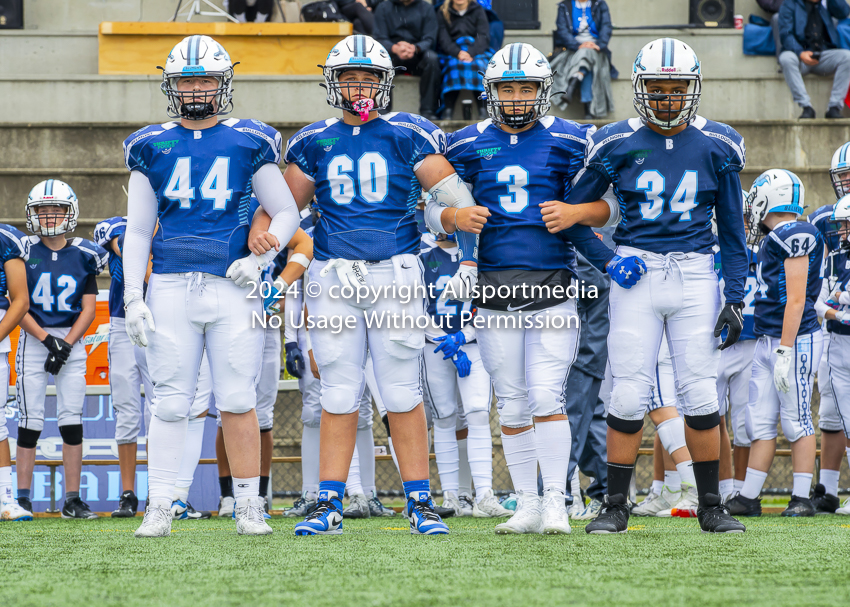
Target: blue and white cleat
<point>423,519</point>
<point>326,519</point>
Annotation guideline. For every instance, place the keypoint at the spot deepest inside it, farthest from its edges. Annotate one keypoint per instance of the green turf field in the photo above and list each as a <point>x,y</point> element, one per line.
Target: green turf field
<point>377,562</point>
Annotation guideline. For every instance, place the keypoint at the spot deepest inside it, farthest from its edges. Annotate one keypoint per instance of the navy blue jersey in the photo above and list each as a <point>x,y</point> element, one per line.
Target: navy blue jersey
<point>57,280</point>
<point>750,289</point>
<point>13,245</point>
<point>104,232</point>
<point>822,219</point>
<point>439,266</point>
<point>366,187</point>
<point>788,239</point>
<point>669,188</point>
<point>837,263</point>
<point>202,180</point>
<point>511,174</point>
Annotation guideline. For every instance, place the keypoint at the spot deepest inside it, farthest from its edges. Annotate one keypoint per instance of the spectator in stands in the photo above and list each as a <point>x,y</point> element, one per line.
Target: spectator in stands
<point>255,11</point>
<point>359,12</point>
<point>463,40</point>
<point>772,7</point>
<point>408,30</point>
<point>810,44</point>
<point>583,60</point>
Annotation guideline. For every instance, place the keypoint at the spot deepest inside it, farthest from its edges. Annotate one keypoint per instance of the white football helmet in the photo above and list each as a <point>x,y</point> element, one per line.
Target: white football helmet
<point>774,191</point>
<point>518,62</point>
<point>55,193</point>
<point>198,56</point>
<point>358,53</point>
<point>839,171</point>
<point>667,59</point>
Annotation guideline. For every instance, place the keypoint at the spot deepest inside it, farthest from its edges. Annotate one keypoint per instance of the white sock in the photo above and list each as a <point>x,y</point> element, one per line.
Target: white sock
<point>395,457</point>
<point>6,484</point>
<point>726,487</point>
<point>672,480</point>
<point>753,483</point>
<point>554,440</point>
<point>686,473</point>
<point>657,486</point>
<point>181,493</point>
<point>165,451</point>
<point>261,18</point>
<point>802,484</point>
<point>191,454</point>
<point>464,475</point>
<point>738,485</point>
<point>480,446</point>
<point>575,483</point>
<point>366,451</point>
<point>246,487</point>
<point>521,458</point>
<point>829,479</point>
<point>310,460</point>
<point>353,485</point>
<point>445,450</point>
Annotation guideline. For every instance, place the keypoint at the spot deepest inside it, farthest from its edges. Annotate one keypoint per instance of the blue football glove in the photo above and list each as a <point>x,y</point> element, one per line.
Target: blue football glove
<point>626,271</point>
<point>462,364</point>
<point>294,360</point>
<point>450,344</point>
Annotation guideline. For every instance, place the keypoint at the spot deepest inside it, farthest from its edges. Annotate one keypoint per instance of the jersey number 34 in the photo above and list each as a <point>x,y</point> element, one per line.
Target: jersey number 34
<point>651,183</point>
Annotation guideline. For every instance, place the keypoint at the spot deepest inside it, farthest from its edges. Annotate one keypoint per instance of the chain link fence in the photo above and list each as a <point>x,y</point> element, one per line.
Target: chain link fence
<point>287,440</point>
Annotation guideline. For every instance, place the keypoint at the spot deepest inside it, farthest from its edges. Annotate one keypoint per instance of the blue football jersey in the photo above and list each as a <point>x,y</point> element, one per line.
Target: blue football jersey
<point>57,280</point>
<point>439,265</point>
<point>821,219</point>
<point>104,232</point>
<point>202,180</point>
<point>669,188</point>
<point>366,187</point>
<point>511,175</point>
<point>13,245</point>
<point>750,289</point>
<point>837,263</point>
<point>788,239</point>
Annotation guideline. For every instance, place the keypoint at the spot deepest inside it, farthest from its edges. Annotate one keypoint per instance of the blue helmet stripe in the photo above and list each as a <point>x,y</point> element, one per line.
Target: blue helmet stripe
<point>667,53</point>
<point>516,52</point>
<point>842,158</point>
<point>48,188</point>
<point>194,43</point>
<point>796,182</point>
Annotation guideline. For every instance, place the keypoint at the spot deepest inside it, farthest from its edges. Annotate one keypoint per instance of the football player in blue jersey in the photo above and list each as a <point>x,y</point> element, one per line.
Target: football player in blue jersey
<point>61,275</point>
<point>834,371</point>
<point>366,171</point>
<point>789,274</point>
<point>125,377</point>
<point>516,163</point>
<point>672,171</point>
<point>453,371</point>
<point>196,176</point>
<point>14,303</point>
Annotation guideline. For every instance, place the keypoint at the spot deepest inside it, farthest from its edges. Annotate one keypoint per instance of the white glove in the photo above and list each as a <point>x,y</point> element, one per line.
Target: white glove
<point>781,369</point>
<point>462,284</point>
<point>248,269</point>
<point>350,273</point>
<point>137,316</point>
<point>844,298</point>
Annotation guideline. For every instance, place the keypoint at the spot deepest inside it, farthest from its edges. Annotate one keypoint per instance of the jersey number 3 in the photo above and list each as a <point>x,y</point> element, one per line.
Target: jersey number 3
<point>651,183</point>
<point>214,185</point>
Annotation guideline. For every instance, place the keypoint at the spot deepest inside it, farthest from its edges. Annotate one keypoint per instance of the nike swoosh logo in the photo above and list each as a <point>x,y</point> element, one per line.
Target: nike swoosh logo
<point>513,309</point>
<point>405,267</point>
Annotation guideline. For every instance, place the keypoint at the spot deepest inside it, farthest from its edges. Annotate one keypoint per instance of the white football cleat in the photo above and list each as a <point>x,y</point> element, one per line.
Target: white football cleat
<point>225,506</point>
<point>589,512</point>
<point>451,502</point>
<point>249,517</point>
<point>527,517</point>
<point>657,502</point>
<point>554,513</point>
<point>687,505</point>
<point>489,507</point>
<point>467,505</point>
<point>157,522</point>
<point>12,511</point>
<point>845,508</point>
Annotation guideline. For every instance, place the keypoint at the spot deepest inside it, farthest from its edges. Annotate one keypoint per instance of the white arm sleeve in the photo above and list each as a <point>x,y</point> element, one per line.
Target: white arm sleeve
<point>820,304</point>
<point>451,191</point>
<point>141,223</point>
<point>433,214</point>
<point>276,198</point>
<point>613,208</point>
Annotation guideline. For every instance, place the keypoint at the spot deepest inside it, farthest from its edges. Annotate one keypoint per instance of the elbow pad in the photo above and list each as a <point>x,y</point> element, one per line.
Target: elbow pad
<point>613,208</point>
<point>452,192</point>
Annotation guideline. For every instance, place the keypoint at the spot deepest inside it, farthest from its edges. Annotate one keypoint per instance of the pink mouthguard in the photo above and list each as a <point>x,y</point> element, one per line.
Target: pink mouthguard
<point>363,107</point>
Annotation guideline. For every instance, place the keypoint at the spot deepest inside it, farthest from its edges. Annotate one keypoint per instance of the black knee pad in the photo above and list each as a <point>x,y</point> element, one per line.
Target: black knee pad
<point>386,421</point>
<point>27,438</point>
<point>626,426</point>
<point>72,435</point>
<point>703,422</point>
<point>829,431</point>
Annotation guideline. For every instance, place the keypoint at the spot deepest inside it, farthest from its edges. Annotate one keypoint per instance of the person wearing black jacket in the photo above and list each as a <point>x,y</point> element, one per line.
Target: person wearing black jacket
<point>463,39</point>
<point>359,12</point>
<point>408,30</point>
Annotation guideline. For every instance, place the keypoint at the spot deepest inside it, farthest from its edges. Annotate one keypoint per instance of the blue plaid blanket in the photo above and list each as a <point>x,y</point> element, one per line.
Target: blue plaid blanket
<point>460,76</point>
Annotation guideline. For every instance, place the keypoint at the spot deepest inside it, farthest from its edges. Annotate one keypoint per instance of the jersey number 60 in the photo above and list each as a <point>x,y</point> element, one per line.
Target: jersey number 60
<point>372,177</point>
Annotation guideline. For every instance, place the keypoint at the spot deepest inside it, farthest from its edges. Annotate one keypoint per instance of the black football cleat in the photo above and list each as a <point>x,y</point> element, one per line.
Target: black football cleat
<point>799,506</point>
<point>128,505</point>
<point>738,505</point>
<point>612,518</point>
<point>823,502</point>
<point>714,517</point>
<point>77,508</point>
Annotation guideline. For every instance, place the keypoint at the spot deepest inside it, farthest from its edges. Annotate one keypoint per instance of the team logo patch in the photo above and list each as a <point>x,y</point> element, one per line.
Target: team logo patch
<point>327,144</point>
<point>488,153</point>
<point>165,146</point>
<point>34,262</point>
<point>639,155</point>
